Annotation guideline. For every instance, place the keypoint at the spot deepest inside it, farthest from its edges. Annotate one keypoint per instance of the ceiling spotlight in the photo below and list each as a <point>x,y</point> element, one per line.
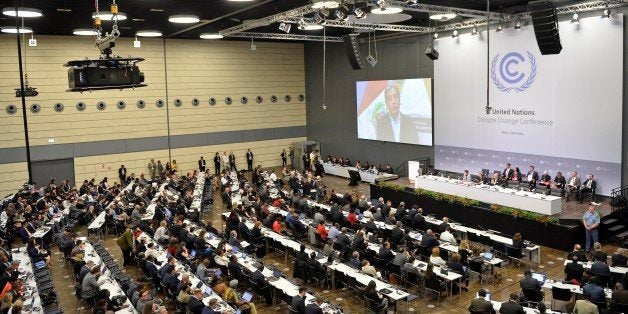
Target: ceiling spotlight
<point>474,31</point>
<point>324,12</point>
<point>518,25</point>
<point>435,36</point>
<point>575,18</point>
<point>13,30</point>
<point>455,33</point>
<point>499,27</point>
<point>342,13</point>
<point>108,16</point>
<point>319,19</point>
<point>284,27</point>
<point>383,8</point>
<point>606,13</point>
<point>359,13</point>
<point>327,4</point>
<point>183,19</point>
<point>85,32</point>
<point>411,2</point>
<point>22,12</point>
<point>148,33</point>
<point>442,16</point>
<point>211,36</point>
<point>311,27</point>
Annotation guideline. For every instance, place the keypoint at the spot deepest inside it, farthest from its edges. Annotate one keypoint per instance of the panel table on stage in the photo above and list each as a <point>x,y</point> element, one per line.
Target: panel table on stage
<point>366,176</point>
<point>530,201</point>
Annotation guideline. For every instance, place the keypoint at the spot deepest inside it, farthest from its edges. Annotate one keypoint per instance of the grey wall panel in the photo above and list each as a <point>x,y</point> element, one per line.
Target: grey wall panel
<point>99,148</point>
<point>258,135</point>
<point>12,154</point>
<point>50,152</point>
<point>188,140</point>
<point>335,128</point>
<point>146,144</point>
<point>292,131</point>
<point>224,137</point>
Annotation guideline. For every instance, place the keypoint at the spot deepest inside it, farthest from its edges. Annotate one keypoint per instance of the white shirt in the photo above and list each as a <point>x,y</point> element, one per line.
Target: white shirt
<point>367,214</point>
<point>437,260</point>
<point>273,177</point>
<point>3,219</point>
<point>448,237</point>
<point>396,126</point>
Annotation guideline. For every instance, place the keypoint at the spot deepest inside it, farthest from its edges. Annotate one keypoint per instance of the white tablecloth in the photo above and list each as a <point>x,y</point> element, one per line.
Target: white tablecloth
<point>366,176</point>
<point>534,202</point>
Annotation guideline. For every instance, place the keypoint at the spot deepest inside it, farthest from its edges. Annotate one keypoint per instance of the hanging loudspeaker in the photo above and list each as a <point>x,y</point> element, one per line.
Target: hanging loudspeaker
<point>352,47</point>
<point>545,21</point>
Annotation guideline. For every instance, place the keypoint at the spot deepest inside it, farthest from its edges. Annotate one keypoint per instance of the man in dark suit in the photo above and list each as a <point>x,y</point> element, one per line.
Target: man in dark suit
<point>249,159</point>
<point>395,126</point>
<point>429,240</point>
<point>598,254</point>
<point>619,296</point>
<point>195,302</point>
<point>298,301</point>
<point>512,306</point>
<point>217,164</point>
<point>588,186</point>
<point>481,305</point>
<point>170,279</point>
<point>385,253</point>
<point>532,177</point>
<point>122,175</point>
<point>507,173</point>
<point>573,270</point>
<point>232,162</point>
<point>261,285</point>
<point>201,164</point>
<point>594,290</point>
<point>527,282</point>
<point>314,308</point>
<point>577,251</point>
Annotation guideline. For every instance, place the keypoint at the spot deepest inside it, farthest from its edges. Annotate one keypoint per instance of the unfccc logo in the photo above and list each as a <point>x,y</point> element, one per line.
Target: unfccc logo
<point>505,72</point>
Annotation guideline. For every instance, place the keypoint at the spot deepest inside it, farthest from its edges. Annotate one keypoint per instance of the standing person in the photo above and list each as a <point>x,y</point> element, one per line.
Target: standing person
<point>152,169</point>
<point>284,158</point>
<point>291,155</point>
<point>127,245</point>
<point>232,162</point>
<point>306,161</point>
<point>173,167</point>
<point>217,163</point>
<point>225,161</point>
<point>122,175</point>
<point>201,164</point>
<point>591,222</point>
<point>249,160</point>
<point>160,168</point>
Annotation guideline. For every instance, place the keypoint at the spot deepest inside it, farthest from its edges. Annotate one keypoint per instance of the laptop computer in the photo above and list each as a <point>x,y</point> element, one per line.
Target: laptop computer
<point>487,297</point>
<point>247,296</point>
<point>234,249</point>
<point>540,277</point>
<point>277,273</point>
<point>208,290</point>
<point>218,272</point>
<point>487,256</point>
<point>193,253</point>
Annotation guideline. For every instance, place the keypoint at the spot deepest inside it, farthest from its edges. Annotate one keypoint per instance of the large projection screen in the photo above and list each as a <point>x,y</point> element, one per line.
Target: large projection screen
<point>395,110</point>
<point>557,112</point>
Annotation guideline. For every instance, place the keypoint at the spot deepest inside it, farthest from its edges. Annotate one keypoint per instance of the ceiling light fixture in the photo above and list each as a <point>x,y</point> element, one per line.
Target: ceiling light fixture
<point>606,13</point>
<point>499,27</point>
<point>474,31</point>
<point>383,8</point>
<point>312,27</point>
<point>455,33</point>
<point>518,25</point>
<point>575,18</point>
<point>327,4</point>
<point>342,13</point>
<point>359,13</point>
<point>183,19</point>
<point>13,30</point>
<point>85,32</point>
<point>442,16</point>
<point>211,36</point>
<point>64,10</point>
<point>319,19</point>
<point>22,12</point>
<point>108,16</point>
<point>285,27</point>
<point>148,33</point>
<point>412,2</point>
<point>435,36</point>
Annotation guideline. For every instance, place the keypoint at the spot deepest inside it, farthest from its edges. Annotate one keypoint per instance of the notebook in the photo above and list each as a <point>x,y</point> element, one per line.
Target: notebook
<point>247,296</point>
<point>540,277</point>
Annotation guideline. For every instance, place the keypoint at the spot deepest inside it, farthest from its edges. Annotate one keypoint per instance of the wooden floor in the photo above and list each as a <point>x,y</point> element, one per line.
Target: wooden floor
<point>551,264</point>
<point>570,209</point>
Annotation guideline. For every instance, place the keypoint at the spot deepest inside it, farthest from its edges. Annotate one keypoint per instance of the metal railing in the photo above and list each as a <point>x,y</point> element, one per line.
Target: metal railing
<point>619,198</point>
<point>402,169</point>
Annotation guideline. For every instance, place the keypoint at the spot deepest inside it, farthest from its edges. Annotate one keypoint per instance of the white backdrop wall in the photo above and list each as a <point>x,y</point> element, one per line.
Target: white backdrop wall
<point>557,112</point>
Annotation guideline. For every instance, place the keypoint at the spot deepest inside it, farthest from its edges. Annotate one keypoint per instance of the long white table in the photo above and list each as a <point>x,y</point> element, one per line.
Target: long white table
<point>31,293</point>
<point>619,270</point>
<point>534,202</point>
<point>365,176</point>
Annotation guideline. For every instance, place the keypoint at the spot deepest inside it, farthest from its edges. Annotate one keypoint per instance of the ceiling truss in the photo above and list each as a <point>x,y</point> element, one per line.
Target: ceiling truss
<point>282,36</point>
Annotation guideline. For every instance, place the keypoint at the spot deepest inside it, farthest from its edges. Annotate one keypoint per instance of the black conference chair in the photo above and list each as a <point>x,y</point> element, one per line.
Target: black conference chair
<point>533,297</point>
<point>560,294</point>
